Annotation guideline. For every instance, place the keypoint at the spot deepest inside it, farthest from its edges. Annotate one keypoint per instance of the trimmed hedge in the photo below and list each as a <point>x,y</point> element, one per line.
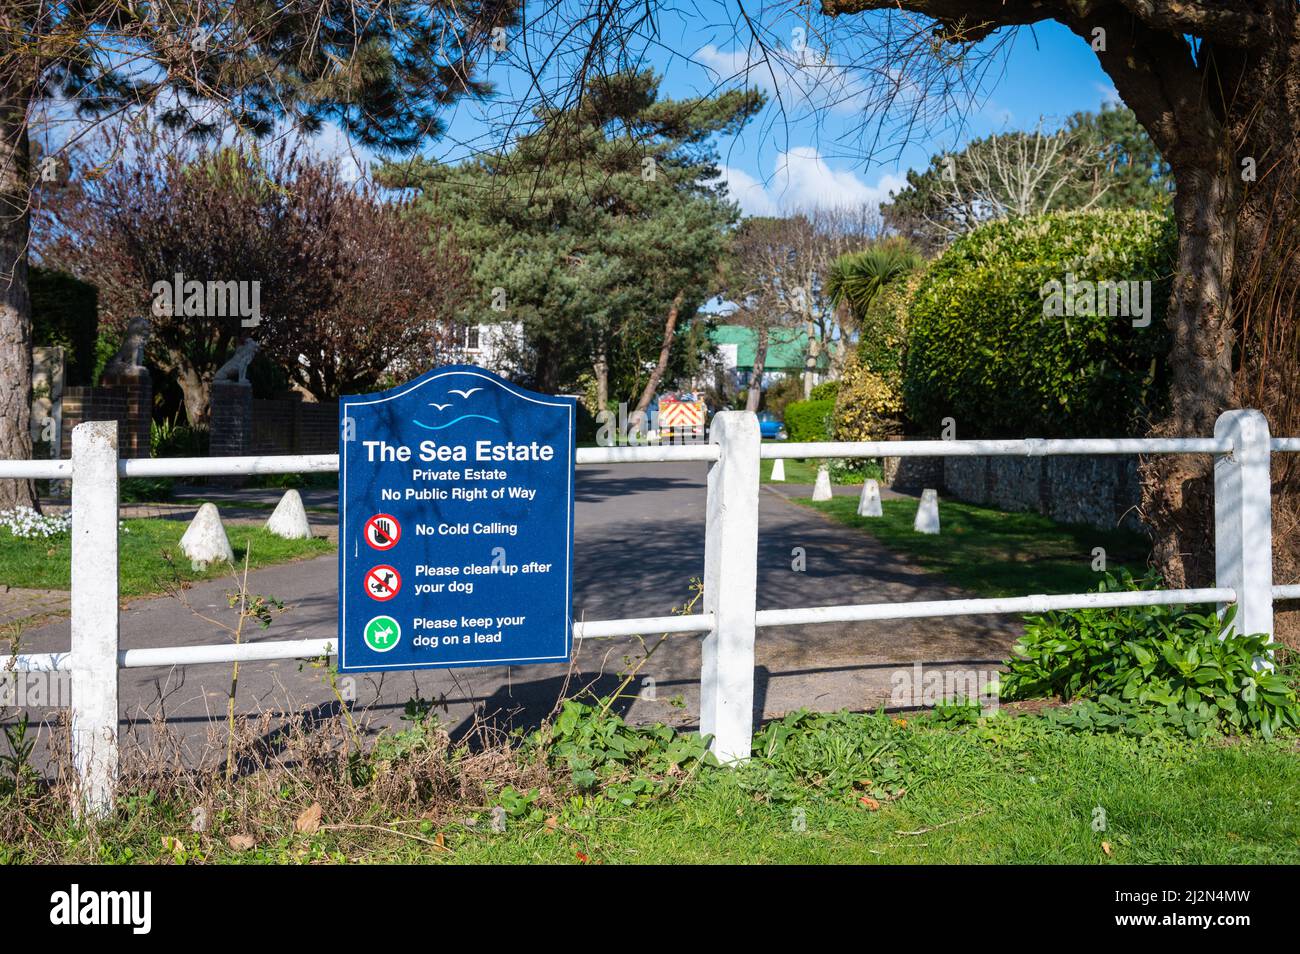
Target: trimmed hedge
<point>989,346</point>
<point>809,420</point>
<point>65,313</point>
<point>826,391</point>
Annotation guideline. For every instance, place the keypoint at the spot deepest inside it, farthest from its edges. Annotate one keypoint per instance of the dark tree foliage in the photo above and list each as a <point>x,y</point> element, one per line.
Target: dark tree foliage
<point>381,70</point>
<point>347,289</point>
<point>597,230</point>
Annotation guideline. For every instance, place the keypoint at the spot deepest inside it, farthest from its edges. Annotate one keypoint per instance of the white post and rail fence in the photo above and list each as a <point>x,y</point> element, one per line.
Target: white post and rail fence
<point>729,618</point>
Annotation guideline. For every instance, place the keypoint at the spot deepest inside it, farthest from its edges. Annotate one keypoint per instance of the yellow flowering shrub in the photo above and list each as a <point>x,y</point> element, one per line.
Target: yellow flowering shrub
<point>868,406</point>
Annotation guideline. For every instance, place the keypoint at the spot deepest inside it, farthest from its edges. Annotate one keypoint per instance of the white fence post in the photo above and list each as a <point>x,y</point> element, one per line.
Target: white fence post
<point>94,613</point>
<point>730,587</point>
<point>1243,520</point>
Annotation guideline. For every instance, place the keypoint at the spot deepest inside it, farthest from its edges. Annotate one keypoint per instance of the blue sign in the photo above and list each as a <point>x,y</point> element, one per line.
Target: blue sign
<point>455,524</point>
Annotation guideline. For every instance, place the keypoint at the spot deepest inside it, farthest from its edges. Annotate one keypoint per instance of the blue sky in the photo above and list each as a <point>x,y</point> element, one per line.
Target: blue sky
<point>800,155</point>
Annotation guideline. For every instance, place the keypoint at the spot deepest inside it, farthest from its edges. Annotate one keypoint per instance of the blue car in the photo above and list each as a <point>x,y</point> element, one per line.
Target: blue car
<point>771,427</point>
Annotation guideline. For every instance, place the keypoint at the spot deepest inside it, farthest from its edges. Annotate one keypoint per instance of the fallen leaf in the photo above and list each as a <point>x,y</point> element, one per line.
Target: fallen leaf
<point>308,822</point>
<point>871,803</point>
<point>1105,847</point>
<point>240,842</point>
<point>552,823</point>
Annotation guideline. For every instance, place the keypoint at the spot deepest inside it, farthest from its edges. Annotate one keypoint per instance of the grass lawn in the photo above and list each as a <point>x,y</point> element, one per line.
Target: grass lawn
<point>994,553</point>
<point>805,472</point>
<point>997,803</point>
<point>1007,790</point>
<point>796,471</point>
<point>46,564</point>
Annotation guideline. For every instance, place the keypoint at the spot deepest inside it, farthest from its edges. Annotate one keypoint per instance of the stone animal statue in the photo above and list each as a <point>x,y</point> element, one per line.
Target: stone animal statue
<point>129,360</point>
<point>236,369</point>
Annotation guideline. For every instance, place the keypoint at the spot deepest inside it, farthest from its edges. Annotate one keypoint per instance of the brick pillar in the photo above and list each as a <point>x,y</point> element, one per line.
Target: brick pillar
<point>136,389</point>
<point>231,427</point>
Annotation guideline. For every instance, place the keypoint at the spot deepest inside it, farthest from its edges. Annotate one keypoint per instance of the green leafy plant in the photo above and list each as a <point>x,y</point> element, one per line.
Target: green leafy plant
<point>18,762</point>
<point>958,712</point>
<point>630,764</point>
<point>520,806</point>
<point>65,313</point>
<point>1152,665</point>
<point>826,391</point>
<point>171,438</point>
<point>424,730</point>
<point>856,279</point>
<point>839,755</point>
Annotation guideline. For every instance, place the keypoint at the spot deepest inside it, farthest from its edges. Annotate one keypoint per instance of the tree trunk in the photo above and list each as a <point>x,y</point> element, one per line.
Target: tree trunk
<point>1233,313</point>
<point>196,390</point>
<point>600,367</point>
<point>1178,489</point>
<point>15,305</point>
<point>651,386</point>
<point>755,393</point>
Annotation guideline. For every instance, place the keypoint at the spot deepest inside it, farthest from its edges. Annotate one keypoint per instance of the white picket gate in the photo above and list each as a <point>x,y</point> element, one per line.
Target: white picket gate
<point>729,617</point>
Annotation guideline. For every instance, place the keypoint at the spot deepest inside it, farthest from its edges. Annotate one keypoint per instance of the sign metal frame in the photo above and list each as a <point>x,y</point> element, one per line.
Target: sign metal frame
<point>365,606</point>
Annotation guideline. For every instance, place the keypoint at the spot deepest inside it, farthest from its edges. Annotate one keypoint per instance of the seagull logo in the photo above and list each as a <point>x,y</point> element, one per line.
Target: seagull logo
<point>456,420</point>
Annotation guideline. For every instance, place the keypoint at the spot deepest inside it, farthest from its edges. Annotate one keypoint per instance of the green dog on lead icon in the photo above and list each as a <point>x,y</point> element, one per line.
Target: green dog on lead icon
<point>383,633</point>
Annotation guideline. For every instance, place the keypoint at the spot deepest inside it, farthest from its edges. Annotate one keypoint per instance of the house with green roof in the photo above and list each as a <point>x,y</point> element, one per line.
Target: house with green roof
<point>787,351</point>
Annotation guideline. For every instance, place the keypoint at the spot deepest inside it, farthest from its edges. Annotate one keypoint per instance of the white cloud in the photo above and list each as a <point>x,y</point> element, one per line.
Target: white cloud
<point>1109,94</point>
<point>747,192</point>
<point>332,144</point>
<point>802,179</point>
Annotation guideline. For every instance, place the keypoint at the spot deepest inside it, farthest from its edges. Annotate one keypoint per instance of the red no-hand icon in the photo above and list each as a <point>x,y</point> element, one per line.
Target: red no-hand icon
<point>383,582</point>
<point>383,531</point>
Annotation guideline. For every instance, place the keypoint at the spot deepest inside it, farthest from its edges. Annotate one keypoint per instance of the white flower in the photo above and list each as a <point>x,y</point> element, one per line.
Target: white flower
<point>26,523</point>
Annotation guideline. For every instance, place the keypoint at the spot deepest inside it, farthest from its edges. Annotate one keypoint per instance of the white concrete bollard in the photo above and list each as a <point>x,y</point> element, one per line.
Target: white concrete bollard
<point>927,514</point>
<point>822,489</point>
<point>289,520</point>
<point>778,469</point>
<point>869,502</point>
<point>1243,522</point>
<point>730,587</point>
<point>205,541</point>
<point>94,614</point>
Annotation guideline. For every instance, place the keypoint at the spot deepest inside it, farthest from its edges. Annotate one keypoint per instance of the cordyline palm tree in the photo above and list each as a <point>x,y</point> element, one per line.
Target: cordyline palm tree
<point>855,279</point>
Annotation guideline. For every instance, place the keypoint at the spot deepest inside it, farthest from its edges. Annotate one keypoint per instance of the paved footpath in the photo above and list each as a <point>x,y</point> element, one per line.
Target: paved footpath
<point>639,540</point>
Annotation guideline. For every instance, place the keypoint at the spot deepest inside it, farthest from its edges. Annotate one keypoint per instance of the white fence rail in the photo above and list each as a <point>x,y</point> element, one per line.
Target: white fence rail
<point>730,617</point>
